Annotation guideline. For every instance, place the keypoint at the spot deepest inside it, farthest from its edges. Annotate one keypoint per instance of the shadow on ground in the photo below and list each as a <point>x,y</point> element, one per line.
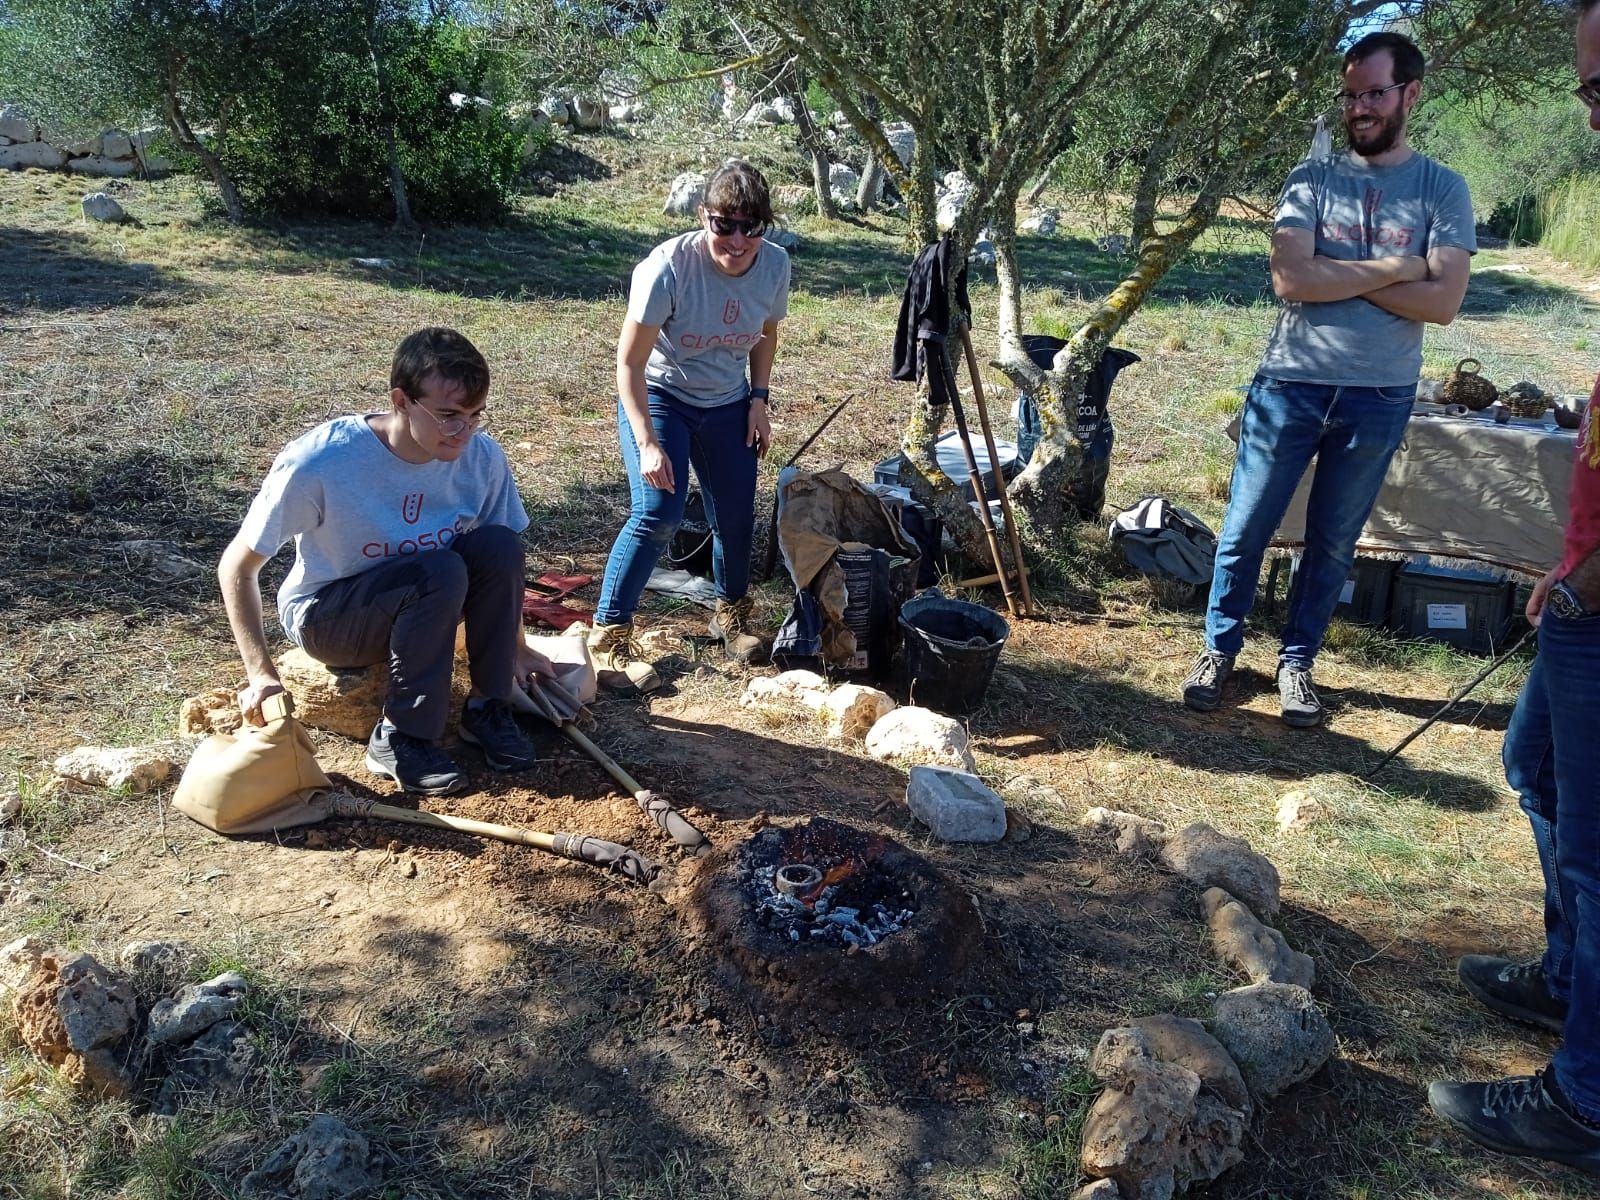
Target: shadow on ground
<point>60,272</point>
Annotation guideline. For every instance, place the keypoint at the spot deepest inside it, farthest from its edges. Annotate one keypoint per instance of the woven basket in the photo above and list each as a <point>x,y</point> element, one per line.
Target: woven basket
<point>1525,400</point>
<point>1466,386</point>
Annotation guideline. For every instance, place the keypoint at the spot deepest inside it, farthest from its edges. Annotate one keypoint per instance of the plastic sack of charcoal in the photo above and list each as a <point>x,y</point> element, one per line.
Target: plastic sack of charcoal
<point>853,566</point>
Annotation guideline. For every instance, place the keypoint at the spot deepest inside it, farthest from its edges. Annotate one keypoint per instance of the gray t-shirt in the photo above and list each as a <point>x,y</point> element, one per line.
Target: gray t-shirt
<point>1359,211</point>
<point>349,504</point>
<point>709,319</point>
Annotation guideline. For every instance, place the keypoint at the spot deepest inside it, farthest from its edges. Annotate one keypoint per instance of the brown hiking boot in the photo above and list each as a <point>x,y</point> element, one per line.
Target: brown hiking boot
<point>617,667</point>
<point>730,623</point>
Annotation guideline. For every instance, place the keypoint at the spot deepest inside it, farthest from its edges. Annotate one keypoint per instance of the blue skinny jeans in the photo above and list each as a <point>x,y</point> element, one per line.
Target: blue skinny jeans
<point>1353,432</point>
<point>1552,761</point>
<point>712,439</point>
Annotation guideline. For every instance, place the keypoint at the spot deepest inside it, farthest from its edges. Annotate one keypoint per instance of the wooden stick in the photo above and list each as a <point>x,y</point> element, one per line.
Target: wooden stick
<point>770,562</point>
<point>978,581</point>
<point>1012,535</point>
<point>977,481</point>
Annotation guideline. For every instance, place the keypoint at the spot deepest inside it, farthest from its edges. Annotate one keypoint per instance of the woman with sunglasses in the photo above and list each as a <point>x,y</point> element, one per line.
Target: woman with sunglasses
<point>704,307</point>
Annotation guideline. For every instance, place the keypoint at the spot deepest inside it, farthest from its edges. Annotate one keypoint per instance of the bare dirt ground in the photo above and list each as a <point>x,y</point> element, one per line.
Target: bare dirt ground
<point>502,1023</point>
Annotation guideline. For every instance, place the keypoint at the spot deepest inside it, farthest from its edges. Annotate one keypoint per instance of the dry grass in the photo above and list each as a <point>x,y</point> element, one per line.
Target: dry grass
<point>148,375</point>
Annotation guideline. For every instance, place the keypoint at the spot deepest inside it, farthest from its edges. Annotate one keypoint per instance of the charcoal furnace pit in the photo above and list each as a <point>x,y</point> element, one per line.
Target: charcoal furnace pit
<point>825,912</point>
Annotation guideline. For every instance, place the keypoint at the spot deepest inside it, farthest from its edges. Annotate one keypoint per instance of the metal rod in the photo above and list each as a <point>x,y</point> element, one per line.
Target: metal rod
<point>977,480</point>
<point>770,562</point>
<point>1012,536</point>
<point>1449,704</point>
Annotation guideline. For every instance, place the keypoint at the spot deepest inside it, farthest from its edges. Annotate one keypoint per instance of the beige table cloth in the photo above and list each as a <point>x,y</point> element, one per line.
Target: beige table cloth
<point>1462,487</point>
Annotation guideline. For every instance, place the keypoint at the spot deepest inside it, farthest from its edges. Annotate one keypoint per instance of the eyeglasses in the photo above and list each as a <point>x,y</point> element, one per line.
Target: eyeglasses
<point>1371,96</point>
<point>1589,93</point>
<point>728,226</point>
<point>452,426</point>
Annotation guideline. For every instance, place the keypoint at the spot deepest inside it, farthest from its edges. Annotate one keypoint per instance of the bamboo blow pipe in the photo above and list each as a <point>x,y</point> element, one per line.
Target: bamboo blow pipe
<point>1012,536</point>
<point>577,847</point>
<point>977,482</point>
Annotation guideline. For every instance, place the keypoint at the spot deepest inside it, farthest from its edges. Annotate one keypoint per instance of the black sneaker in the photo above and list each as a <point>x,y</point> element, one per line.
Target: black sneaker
<point>1513,989</point>
<point>1202,690</point>
<point>415,764</point>
<point>1297,699</point>
<point>492,727</point>
<point>1525,1115</point>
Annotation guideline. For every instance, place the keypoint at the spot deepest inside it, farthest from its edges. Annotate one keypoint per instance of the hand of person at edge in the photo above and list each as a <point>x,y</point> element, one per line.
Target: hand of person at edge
<point>251,697</point>
<point>1541,591</point>
<point>758,430</point>
<point>531,662</point>
<point>656,468</point>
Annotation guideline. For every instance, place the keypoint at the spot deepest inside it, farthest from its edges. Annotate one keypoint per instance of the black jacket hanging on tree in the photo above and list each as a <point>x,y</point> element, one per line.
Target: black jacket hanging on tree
<point>925,310</point>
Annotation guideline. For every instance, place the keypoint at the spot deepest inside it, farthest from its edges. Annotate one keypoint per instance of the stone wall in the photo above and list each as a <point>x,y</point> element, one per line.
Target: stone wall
<point>114,152</point>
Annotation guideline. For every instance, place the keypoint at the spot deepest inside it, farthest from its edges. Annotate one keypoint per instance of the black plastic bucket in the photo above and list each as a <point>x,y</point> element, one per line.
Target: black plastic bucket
<point>951,650</point>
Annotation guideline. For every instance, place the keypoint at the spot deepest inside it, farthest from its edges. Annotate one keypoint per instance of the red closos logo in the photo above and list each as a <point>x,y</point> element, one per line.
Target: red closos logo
<point>1384,235</point>
<point>708,341</point>
<point>417,545</point>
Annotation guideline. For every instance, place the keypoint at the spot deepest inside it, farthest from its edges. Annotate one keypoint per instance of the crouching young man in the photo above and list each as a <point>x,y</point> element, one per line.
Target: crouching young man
<point>404,521</point>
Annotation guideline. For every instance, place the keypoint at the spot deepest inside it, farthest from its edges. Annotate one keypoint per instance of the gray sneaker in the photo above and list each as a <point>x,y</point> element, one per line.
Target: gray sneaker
<point>1202,690</point>
<point>1525,1115</point>
<point>1297,698</point>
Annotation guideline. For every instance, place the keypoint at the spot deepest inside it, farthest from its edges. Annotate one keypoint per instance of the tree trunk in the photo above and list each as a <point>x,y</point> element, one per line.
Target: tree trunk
<point>871,185</point>
<point>391,145</point>
<point>793,88</point>
<point>178,126</point>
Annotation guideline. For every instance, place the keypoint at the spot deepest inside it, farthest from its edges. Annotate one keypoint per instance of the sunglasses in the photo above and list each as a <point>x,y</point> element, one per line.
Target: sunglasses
<point>728,226</point>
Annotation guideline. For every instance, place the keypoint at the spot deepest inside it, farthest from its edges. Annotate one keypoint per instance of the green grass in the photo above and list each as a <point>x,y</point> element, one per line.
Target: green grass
<point>1571,214</point>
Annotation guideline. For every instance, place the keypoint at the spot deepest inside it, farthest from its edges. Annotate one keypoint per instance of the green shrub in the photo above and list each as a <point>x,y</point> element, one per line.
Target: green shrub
<point>1571,214</point>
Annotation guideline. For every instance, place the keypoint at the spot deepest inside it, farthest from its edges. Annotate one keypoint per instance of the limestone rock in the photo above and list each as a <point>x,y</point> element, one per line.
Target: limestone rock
<point>162,559</point>
<point>130,768</point>
<point>116,143</point>
<point>5,141</point>
<point>953,194</point>
<point>32,154</point>
<point>1177,1040</point>
<point>557,109</point>
<point>1210,859</point>
<point>786,238</point>
<point>806,689</point>
<point>685,195</point>
<point>100,165</point>
<point>919,735</point>
<point>76,1016</point>
<point>843,181</point>
<point>1155,1133</point>
<point>1115,244</point>
<point>956,806</point>
<point>158,961</point>
<point>1260,951</point>
<point>1042,222</point>
<point>348,702</point>
<point>1136,835</point>
<point>1100,1189</point>
<point>10,807</point>
<point>16,124</point>
<point>97,206</point>
<point>1299,811</point>
<point>196,1008</point>
<point>213,1067</point>
<point>588,113</point>
<point>216,711</point>
<point>902,140</point>
<point>83,147</point>
<point>853,709</point>
<point>325,1160</point>
<point>19,958</point>
<point>1275,1032</point>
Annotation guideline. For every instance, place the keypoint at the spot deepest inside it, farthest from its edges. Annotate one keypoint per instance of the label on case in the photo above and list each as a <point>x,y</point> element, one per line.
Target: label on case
<point>1447,616</point>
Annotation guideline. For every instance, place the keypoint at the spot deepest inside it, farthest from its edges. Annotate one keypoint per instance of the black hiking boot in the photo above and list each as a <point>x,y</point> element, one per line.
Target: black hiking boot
<point>1202,690</point>
<point>416,765</point>
<point>1297,699</point>
<point>492,727</point>
<point>1525,1115</point>
<point>1513,989</point>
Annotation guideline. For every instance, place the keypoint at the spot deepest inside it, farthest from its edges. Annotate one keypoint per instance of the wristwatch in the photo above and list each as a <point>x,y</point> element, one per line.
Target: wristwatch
<point>1564,602</point>
<point>765,396</point>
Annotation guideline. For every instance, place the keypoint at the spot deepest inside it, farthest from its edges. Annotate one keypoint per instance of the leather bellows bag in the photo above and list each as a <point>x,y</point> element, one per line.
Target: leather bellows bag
<point>255,780</point>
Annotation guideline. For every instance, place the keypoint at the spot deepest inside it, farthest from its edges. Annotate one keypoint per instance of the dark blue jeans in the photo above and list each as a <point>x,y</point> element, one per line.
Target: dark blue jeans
<point>713,440</point>
<point>1353,432</point>
<point>1552,760</point>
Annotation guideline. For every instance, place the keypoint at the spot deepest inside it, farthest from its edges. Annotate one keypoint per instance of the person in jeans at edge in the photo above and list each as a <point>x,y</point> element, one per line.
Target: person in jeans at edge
<point>1552,761</point>
<point>403,522</point>
<point>702,306</point>
<point>1367,247</point>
